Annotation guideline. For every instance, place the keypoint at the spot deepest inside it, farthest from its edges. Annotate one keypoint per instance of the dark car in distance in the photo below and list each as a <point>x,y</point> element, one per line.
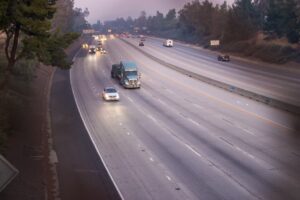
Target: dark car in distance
<point>141,44</point>
<point>225,58</point>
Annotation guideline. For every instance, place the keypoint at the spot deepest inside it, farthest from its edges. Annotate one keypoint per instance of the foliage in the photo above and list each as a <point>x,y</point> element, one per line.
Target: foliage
<point>283,19</point>
<point>78,21</point>
<point>27,25</point>
<point>32,36</point>
<point>266,52</point>
<point>27,21</point>
<point>243,21</point>
<point>201,21</point>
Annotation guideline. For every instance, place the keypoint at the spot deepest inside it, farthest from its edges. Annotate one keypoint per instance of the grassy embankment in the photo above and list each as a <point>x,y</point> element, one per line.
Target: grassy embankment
<point>269,50</point>
<point>14,99</point>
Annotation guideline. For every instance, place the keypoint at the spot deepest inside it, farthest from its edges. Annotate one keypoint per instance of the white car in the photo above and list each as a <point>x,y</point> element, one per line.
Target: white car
<point>110,94</point>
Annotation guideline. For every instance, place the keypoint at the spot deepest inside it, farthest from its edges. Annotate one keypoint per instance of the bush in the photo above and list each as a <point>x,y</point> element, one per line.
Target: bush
<point>10,106</point>
<point>276,53</point>
<point>236,47</point>
<point>3,129</point>
<point>4,121</point>
<point>25,69</point>
<point>293,36</point>
<point>12,100</point>
<point>266,52</point>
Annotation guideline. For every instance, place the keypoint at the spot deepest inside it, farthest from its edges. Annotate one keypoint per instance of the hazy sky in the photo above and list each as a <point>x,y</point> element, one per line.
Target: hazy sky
<point>110,9</point>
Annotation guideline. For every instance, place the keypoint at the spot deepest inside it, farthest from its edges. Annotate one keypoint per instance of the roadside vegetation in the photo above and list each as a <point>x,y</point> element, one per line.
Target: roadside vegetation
<point>264,29</point>
<point>31,33</point>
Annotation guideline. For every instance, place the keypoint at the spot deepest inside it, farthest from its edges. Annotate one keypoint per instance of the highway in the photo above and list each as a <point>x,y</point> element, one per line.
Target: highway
<point>180,138</point>
<point>276,82</point>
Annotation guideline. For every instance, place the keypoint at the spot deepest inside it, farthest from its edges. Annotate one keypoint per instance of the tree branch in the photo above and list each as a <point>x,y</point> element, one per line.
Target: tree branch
<point>7,43</point>
<point>15,44</point>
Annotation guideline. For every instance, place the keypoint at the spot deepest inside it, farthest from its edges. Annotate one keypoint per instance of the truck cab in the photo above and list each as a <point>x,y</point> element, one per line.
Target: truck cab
<point>92,49</point>
<point>127,73</point>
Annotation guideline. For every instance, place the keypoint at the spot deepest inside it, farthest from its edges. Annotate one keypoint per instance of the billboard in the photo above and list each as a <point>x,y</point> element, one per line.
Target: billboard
<point>88,31</point>
<point>215,43</point>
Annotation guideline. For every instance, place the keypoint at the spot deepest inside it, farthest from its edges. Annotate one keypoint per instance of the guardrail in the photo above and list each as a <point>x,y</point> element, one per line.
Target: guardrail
<point>231,88</point>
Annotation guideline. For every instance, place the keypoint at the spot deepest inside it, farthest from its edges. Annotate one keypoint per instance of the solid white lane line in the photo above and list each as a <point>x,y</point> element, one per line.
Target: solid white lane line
<point>151,117</point>
<point>161,102</point>
<point>168,177</point>
<point>193,150</point>
<point>89,132</point>
<point>247,131</point>
<point>194,122</point>
<point>130,99</point>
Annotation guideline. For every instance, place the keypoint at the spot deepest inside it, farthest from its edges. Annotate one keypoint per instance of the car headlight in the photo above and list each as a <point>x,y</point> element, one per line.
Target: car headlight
<point>126,82</point>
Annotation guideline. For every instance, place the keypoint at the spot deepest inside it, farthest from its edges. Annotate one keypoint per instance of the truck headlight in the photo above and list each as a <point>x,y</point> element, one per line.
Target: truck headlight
<point>126,82</point>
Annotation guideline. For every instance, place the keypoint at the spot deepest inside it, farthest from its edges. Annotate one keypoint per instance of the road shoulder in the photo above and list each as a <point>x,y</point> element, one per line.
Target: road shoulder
<point>81,174</point>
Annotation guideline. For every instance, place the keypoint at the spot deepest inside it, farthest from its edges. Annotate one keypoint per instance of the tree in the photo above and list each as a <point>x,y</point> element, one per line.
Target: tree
<point>129,21</point>
<point>3,20</point>
<point>31,18</point>
<point>283,19</point>
<point>155,23</point>
<point>198,16</point>
<point>27,25</point>
<point>142,20</point>
<point>78,19</point>
<point>98,26</point>
<point>188,17</point>
<point>243,21</point>
<point>171,15</point>
<point>262,7</point>
<point>170,20</point>
<point>219,21</point>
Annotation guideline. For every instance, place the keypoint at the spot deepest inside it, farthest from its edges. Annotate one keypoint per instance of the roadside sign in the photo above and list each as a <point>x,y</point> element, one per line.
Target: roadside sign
<point>88,31</point>
<point>215,43</point>
<point>7,172</point>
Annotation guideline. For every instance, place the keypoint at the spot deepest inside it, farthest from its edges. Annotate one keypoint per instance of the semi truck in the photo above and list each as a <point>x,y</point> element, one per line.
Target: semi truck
<point>127,74</point>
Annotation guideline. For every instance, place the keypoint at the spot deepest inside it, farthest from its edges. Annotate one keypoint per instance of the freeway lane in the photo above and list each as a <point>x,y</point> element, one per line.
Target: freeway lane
<point>178,138</point>
<point>273,82</point>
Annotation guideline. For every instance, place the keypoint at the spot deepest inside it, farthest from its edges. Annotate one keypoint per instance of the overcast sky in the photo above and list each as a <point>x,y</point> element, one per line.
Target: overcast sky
<point>110,9</point>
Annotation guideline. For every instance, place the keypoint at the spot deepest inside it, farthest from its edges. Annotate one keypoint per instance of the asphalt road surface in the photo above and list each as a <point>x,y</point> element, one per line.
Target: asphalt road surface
<point>276,82</point>
<point>179,138</point>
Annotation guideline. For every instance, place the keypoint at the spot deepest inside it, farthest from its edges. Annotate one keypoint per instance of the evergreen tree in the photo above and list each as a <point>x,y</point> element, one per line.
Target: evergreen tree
<point>243,21</point>
<point>27,25</point>
<point>170,20</point>
<point>283,19</point>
